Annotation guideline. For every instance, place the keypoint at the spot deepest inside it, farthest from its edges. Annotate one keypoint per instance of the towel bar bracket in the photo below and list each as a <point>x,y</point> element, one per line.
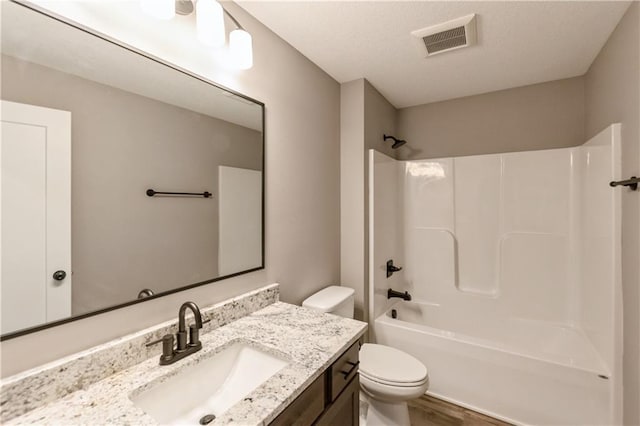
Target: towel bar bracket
<point>631,183</point>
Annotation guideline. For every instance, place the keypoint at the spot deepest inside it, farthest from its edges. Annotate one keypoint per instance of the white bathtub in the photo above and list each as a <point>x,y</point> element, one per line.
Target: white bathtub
<point>522,371</point>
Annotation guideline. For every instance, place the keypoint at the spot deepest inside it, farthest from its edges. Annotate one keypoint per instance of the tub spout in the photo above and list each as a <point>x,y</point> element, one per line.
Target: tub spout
<point>404,296</point>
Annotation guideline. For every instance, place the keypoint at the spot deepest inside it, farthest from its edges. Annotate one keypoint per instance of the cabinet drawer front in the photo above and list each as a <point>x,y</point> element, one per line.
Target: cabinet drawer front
<point>343,370</point>
<point>306,408</point>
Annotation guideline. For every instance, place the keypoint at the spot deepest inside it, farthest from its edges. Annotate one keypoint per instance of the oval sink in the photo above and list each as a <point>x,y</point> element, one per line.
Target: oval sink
<point>210,387</point>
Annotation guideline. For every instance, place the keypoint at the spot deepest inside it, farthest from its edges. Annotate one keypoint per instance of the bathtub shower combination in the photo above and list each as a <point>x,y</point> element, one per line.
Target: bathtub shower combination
<point>513,264</point>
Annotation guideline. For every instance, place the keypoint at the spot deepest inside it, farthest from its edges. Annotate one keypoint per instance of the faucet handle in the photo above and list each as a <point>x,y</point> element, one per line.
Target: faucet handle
<point>194,334</point>
<point>167,346</point>
<point>155,342</point>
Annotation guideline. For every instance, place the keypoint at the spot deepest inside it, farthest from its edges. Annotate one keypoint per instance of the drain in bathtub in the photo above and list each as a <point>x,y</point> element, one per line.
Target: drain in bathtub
<point>394,314</point>
<point>205,420</point>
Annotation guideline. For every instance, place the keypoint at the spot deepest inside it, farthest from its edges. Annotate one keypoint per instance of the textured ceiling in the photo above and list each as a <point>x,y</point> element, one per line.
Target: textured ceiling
<point>519,43</point>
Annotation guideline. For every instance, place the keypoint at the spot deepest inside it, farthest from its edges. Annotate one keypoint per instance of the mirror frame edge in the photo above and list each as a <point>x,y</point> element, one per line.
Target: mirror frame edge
<point>95,33</point>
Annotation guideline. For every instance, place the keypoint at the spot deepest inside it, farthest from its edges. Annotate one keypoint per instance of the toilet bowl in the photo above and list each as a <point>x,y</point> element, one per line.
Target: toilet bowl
<point>388,377</point>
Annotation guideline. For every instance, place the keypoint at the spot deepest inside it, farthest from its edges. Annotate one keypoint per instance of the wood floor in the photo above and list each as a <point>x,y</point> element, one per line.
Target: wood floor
<point>430,411</point>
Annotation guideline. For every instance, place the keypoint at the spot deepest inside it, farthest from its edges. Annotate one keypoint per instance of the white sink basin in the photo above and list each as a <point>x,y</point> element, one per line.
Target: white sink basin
<point>211,386</point>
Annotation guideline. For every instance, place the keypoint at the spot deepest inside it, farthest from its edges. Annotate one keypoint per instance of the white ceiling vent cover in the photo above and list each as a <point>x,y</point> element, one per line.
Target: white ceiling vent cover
<point>448,36</point>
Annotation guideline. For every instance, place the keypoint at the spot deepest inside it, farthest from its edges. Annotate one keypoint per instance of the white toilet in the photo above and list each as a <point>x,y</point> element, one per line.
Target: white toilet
<point>388,376</point>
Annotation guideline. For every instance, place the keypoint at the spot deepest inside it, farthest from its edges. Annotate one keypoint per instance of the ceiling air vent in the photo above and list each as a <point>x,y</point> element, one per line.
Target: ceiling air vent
<point>451,35</point>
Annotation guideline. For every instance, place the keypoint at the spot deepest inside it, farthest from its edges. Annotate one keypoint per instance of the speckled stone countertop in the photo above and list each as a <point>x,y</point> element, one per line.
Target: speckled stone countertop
<point>311,341</point>
<point>41,385</point>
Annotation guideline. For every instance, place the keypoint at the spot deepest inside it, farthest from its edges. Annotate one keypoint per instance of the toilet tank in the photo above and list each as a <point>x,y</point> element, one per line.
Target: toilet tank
<point>334,299</point>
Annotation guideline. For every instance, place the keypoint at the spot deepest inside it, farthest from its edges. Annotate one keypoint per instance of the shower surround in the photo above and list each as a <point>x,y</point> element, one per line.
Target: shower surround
<point>513,262</point>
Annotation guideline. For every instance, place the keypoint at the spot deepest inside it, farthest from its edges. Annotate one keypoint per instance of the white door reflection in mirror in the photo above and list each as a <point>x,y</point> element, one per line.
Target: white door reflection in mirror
<point>35,230</point>
<point>240,219</point>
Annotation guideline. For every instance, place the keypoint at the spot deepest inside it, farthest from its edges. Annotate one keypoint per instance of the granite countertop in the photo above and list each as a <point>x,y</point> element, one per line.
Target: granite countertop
<point>310,340</point>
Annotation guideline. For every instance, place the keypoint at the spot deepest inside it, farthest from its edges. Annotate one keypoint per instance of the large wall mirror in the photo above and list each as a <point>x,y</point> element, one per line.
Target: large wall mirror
<point>98,142</point>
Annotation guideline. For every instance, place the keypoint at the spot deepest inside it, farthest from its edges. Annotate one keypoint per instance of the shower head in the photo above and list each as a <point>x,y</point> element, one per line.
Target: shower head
<point>397,143</point>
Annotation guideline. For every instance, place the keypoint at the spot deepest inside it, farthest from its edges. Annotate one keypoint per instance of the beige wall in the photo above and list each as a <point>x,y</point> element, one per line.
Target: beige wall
<point>365,116</point>
<point>123,144</point>
<point>302,192</point>
<point>540,116</point>
<point>352,192</point>
<point>612,87</point>
<point>379,119</point>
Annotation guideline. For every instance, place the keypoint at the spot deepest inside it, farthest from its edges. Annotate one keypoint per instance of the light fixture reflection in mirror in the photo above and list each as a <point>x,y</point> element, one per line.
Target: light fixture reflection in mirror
<point>209,25</point>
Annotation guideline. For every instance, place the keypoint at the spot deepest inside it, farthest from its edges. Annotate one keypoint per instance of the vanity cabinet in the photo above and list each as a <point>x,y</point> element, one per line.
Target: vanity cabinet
<point>331,400</point>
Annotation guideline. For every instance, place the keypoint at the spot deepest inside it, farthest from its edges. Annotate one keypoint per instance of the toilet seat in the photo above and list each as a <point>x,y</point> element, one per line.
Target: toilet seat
<point>392,383</point>
<point>391,393</point>
<point>391,367</point>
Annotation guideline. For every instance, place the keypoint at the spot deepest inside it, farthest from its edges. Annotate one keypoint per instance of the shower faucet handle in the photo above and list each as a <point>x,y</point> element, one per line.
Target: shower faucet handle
<point>391,268</point>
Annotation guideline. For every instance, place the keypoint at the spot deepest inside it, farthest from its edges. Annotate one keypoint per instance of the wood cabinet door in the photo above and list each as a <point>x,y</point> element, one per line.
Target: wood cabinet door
<point>345,410</point>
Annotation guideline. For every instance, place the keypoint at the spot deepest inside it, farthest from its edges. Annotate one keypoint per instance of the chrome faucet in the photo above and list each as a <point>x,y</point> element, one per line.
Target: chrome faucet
<point>182,348</point>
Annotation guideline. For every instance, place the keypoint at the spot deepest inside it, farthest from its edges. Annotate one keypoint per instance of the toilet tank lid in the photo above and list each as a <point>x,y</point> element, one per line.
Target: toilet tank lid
<point>329,298</point>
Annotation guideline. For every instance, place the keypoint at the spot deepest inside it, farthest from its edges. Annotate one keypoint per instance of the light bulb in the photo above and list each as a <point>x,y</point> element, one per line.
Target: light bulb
<point>210,23</point>
<point>159,9</point>
<point>241,49</point>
